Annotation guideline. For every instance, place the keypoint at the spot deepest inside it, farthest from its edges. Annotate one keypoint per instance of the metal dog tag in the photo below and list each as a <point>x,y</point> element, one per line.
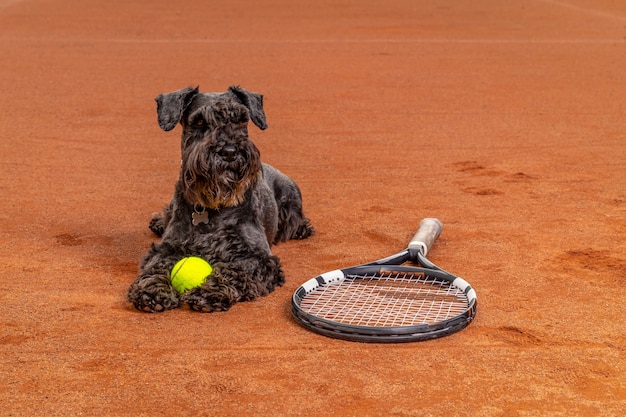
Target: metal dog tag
<point>199,217</point>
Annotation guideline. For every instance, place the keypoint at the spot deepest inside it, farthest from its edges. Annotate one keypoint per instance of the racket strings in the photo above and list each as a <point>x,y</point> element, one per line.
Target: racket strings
<point>386,300</point>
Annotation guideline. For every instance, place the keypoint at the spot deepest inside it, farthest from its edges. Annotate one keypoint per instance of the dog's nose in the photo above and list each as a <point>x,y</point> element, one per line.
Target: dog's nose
<point>228,153</point>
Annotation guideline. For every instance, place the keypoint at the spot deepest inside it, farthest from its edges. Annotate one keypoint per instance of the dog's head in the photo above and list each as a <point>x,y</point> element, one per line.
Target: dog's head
<point>219,162</point>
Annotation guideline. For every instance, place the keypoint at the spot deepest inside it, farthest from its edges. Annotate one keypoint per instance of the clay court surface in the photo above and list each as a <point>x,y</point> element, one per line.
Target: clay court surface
<point>504,119</point>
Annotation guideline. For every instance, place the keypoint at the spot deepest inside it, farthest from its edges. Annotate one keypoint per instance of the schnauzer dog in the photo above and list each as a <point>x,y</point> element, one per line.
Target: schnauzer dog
<point>228,207</point>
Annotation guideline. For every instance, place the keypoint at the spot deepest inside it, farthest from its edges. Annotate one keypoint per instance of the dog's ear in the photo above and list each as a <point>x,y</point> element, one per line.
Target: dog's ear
<point>172,106</point>
<point>254,103</point>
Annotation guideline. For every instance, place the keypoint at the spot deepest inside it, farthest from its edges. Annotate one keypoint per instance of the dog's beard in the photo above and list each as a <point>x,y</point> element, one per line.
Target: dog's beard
<point>211,182</point>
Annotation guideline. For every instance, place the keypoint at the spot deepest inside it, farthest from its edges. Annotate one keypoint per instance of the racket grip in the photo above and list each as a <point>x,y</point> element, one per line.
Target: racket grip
<point>428,232</point>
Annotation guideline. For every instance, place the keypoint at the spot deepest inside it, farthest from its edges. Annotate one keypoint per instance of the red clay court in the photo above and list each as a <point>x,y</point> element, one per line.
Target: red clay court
<point>504,119</point>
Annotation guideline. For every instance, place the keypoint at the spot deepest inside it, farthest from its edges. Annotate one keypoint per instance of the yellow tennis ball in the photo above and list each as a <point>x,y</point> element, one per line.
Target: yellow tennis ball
<point>189,273</point>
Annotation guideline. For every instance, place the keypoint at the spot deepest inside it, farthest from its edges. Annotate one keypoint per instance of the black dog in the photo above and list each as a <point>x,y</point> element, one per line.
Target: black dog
<point>227,208</point>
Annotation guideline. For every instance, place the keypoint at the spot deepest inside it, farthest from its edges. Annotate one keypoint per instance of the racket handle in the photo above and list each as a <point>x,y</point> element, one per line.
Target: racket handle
<point>428,232</point>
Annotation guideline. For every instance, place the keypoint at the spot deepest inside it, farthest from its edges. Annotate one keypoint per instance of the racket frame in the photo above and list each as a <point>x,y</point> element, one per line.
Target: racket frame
<point>391,334</point>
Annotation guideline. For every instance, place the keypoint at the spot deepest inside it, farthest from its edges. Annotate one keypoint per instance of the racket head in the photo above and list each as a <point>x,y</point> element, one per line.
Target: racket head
<point>385,303</point>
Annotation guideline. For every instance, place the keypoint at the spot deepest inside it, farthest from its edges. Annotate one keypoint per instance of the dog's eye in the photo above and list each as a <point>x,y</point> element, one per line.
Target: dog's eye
<point>199,122</point>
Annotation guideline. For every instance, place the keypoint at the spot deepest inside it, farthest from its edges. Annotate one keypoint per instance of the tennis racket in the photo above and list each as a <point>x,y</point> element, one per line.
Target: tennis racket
<point>385,301</point>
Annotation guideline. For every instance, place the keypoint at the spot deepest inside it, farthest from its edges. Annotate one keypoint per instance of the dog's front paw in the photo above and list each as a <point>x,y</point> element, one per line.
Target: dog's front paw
<point>211,296</point>
<point>153,295</point>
